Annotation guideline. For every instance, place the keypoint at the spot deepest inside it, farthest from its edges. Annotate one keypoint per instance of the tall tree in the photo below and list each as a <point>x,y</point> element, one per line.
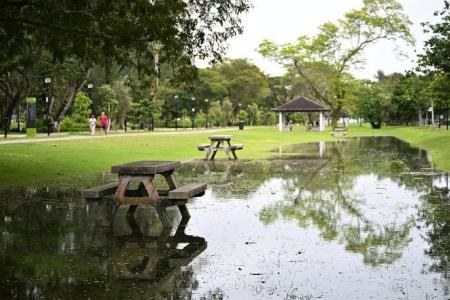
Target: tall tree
<point>128,32</point>
<point>437,48</point>
<point>338,47</point>
<point>142,34</point>
<point>373,102</point>
<point>246,83</point>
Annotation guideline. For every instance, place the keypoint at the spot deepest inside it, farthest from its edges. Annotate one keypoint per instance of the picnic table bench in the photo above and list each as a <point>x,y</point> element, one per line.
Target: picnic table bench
<point>339,131</point>
<point>98,192</point>
<point>220,143</point>
<point>143,172</point>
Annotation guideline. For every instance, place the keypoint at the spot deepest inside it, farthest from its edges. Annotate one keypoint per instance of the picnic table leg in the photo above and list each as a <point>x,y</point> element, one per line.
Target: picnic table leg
<point>184,211</point>
<point>131,210</point>
<point>111,207</point>
<point>170,180</point>
<point>208,152</point>
<point>227,149</point>
<point>234,154</point>
<point>215,151</point>
<point>172,185</point>
<point>161,211</point>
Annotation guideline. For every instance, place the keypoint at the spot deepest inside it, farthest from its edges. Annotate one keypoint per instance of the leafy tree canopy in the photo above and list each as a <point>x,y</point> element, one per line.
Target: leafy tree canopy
<point>129,32</point>
<point>339,46</point>
<point>437,48</point>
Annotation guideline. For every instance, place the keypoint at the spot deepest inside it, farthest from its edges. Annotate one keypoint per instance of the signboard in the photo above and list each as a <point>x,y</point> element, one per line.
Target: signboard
<point>31,117</point>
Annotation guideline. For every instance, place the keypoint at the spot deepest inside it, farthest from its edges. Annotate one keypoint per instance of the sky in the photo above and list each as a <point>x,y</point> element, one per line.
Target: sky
<point>282,21</point>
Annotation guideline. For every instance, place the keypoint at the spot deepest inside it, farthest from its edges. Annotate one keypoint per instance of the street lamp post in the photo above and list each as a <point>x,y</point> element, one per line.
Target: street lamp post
<point>152,124</point>
<point>47,82</point>
<point>90,86</point>
<point>6,118</point>
<point>176,112</point>
<point>447,115</point>
<point>206,102</point>
<point>193,111</point>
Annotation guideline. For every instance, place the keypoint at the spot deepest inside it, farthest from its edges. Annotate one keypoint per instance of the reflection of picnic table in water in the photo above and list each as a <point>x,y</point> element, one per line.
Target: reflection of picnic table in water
<point>155,258</point>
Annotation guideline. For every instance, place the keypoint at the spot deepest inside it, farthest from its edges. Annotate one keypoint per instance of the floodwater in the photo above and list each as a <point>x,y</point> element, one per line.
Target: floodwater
<point>366,218</point>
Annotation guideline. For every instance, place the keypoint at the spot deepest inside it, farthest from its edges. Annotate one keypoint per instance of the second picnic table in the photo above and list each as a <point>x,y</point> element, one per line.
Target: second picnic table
<point>220,143</point>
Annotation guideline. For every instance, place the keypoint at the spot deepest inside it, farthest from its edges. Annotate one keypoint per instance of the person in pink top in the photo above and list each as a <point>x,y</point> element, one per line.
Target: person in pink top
<point>104,120</point>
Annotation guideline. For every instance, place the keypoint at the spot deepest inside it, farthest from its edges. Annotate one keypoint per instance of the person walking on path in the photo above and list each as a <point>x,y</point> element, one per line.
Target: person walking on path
<point>92,123</point>
<point>104,120</point>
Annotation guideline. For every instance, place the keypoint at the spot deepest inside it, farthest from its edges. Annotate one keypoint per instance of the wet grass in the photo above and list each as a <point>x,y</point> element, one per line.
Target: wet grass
<point>80,160</point>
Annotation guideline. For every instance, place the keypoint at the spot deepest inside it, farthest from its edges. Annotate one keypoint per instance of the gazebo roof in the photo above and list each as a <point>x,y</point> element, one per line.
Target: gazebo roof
<point>301,104</point>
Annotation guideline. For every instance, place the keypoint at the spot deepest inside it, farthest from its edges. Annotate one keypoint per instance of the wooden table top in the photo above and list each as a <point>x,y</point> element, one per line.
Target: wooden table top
<point>146,167</point>
<point>220,137</point>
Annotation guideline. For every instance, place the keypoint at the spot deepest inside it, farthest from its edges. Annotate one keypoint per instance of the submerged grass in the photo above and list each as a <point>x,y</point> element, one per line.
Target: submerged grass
<point>80,160</point>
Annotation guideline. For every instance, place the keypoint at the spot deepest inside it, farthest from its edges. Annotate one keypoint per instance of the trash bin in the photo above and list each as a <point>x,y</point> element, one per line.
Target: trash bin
<point>241,125</point>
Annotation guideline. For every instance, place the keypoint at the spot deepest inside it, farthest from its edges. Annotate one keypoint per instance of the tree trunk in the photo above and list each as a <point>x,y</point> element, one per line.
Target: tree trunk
<point>108,72</point>
<point>14,91</point>
<point>72,91</point>
<point>420,117</point>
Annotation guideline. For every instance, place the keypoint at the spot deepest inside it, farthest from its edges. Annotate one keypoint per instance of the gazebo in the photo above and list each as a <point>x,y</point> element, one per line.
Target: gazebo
<point>301,104</point>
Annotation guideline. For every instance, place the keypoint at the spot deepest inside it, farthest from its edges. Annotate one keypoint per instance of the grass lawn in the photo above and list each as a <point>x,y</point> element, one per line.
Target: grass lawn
<point>80,160</point>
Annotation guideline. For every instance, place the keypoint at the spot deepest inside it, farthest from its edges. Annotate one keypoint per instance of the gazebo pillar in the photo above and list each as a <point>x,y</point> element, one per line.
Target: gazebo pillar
<point>321,122</point>
<point>281,120</point>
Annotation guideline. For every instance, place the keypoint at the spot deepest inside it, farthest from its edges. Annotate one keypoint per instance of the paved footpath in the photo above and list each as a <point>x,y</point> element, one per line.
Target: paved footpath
<point>112,135</point>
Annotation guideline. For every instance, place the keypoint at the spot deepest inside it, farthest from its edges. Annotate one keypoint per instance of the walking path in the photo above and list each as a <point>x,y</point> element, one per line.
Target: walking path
<point>87,137</point>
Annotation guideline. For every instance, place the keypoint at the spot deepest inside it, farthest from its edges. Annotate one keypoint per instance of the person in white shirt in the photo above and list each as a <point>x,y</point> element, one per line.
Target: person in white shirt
<point>92,123</point>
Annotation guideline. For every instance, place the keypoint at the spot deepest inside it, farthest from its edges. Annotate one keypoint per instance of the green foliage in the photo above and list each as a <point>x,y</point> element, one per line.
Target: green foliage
<point>143,111</point>
<point>74,125</point>
<point>101,31</point>
<point>245,82</point>
<point>268,118</point>
<point>215,114</point>
<point>81,108</point>
<point>253,114</point>
<point>123,98</point>
<point>185,122</point>
<point>108,100</point>
<point>438,90</point>
<point>437,48</point>
<point>409,98</point>
<point>243,116</point>
<point>323,61</point>
<point>373,103</point>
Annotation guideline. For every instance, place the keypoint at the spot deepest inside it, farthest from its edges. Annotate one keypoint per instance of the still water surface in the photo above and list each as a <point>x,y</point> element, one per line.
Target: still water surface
<point>367,218</point>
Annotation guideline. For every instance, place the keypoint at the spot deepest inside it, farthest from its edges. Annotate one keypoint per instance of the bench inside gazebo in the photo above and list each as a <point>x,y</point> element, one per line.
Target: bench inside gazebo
<point>301,104</point>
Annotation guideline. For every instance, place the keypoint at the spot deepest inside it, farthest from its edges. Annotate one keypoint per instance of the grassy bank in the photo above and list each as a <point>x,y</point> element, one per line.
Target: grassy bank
<point>63,161</point>
<point>435,141</point>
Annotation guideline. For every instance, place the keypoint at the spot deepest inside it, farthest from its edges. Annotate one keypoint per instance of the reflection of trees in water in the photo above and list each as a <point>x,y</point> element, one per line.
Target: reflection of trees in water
<point>51,250</point>
<point>435,215</point>
<point>227,179</point>
<point>358,156</point>
<point>321,197</point>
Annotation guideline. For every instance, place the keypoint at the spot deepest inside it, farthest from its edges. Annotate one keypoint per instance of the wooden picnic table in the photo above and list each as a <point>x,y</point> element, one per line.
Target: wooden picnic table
<point>220,143</point>
<point>143,173</point>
